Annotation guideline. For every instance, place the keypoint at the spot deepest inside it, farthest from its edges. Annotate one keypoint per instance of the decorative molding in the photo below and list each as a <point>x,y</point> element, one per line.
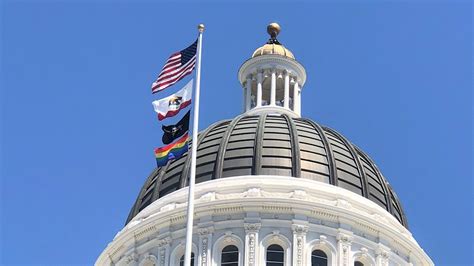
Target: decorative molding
<point>149,260</point>
<point>163,250</point>
<point>299,242</point>
<point>267,62</point>
<point>325,206</point>
<point>204,242</point>
<point>205,238</point>
<point>299,229</point>
<point>252,227</point>
<point>253,192</point>
<point>344,243</point>
<point>382,255</point>
<point>343,204</point>
<point>205,231</point>
<point>299,250</point>
<point>165,241</point>
<point>131,258</point>
<point>251,240</point>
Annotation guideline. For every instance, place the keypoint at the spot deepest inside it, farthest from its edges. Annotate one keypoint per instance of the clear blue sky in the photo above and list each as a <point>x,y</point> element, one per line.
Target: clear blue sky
<point>78,128</point>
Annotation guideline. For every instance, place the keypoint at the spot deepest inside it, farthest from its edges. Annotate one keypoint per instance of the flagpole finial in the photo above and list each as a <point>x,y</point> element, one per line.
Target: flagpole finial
<point>201,28</point>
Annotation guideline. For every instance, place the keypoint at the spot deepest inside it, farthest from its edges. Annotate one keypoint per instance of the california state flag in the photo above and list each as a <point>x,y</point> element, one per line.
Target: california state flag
<point>170,106</point>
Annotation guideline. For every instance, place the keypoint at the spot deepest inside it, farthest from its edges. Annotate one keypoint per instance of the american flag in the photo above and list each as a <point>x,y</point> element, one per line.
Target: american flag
<point>177,67</point>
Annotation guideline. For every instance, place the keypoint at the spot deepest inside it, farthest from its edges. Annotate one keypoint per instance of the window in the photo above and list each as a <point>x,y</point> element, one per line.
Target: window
<point>181,261</point>
<point>358,263</point>
<point>275,255</point>
<point>230,256</point>
<point>319,258</point>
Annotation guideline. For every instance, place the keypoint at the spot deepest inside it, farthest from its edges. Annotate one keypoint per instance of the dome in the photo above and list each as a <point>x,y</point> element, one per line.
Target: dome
<point>273,49</point>
<point>273,46</point>
<point>279,145</point>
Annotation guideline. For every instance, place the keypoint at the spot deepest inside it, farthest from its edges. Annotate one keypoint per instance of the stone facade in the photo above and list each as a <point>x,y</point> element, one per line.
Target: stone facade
<point>299,215</point>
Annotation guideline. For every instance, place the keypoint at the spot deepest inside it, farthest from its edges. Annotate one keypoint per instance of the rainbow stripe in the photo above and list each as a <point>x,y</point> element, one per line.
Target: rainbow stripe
<point>171,151</point>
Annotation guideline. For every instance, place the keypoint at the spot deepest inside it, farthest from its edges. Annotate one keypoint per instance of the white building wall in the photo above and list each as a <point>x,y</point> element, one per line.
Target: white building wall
<point>261,211</point>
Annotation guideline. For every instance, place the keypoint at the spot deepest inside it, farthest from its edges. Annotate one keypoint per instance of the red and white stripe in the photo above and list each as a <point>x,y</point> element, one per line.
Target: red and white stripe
<point>172,72</point>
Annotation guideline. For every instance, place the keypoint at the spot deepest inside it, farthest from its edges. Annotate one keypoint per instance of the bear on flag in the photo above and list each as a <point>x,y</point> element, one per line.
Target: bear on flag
<point>171,105</point>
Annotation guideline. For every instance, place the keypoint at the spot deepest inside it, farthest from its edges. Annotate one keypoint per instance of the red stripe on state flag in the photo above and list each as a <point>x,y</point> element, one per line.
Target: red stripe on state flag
<point>174,112</point>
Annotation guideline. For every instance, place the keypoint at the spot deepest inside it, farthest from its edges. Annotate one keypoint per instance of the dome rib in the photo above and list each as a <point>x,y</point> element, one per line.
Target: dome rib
<point>257,156</point>
<point>274,144</point>
<point>218,167</point>
<point>403,217</point>
<point>135,207</point>
<point>329,152</point>
<point>295,149</point>
<point>380,177</point>
<point>161,174</point>
<point>363,177</point>
<point>185,173</point>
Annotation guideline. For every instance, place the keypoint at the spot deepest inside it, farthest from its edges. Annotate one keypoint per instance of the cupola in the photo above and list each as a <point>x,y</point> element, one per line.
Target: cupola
<point>272,79</point>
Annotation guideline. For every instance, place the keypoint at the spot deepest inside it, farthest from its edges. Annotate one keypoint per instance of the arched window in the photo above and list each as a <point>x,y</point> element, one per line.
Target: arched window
<point>230,256</point>
<point>319,258</point>
<point>275,255</point>
<point>358,263</point>
<point>181,261</point>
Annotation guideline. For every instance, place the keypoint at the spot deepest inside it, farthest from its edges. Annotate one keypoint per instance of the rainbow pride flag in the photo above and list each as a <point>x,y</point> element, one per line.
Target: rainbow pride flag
<point>171,151</point>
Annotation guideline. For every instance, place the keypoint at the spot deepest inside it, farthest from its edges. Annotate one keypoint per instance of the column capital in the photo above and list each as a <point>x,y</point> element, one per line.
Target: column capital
<point>206,230</point>
<point>345,238</point>
<point>164,241</point>
<point>382,255</point>
<point>299,228</point>
<point>252,227</point>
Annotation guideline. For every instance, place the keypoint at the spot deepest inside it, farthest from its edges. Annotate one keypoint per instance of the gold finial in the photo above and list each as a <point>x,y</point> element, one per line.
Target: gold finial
<point>201,28</point>
<point>273,29</point>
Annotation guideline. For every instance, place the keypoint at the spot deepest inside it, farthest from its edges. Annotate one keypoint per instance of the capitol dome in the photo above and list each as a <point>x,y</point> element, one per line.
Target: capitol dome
<point>278,145</point>
<point>272,188</point>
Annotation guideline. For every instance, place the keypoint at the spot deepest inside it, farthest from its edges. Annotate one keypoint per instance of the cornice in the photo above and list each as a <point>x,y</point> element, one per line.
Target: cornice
<point>272,61</point>
<point>287,195</point>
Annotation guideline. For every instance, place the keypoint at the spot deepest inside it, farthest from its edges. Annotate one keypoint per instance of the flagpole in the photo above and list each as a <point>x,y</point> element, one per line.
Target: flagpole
<point>192,177</point>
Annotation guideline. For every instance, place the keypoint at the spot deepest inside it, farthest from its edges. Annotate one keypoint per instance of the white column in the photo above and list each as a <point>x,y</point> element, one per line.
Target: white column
<point>251,243</point>
<point>273,88</point>
<point>286,101</point>
<point>344,243</point>
<point>296,97</point>
<point>259,88</point>
<point>164,251</point>
<point>205,244</point>
<point>382,253</point>
<point>248,93</point>
<point>244,98</point>
<point>299,243</point>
